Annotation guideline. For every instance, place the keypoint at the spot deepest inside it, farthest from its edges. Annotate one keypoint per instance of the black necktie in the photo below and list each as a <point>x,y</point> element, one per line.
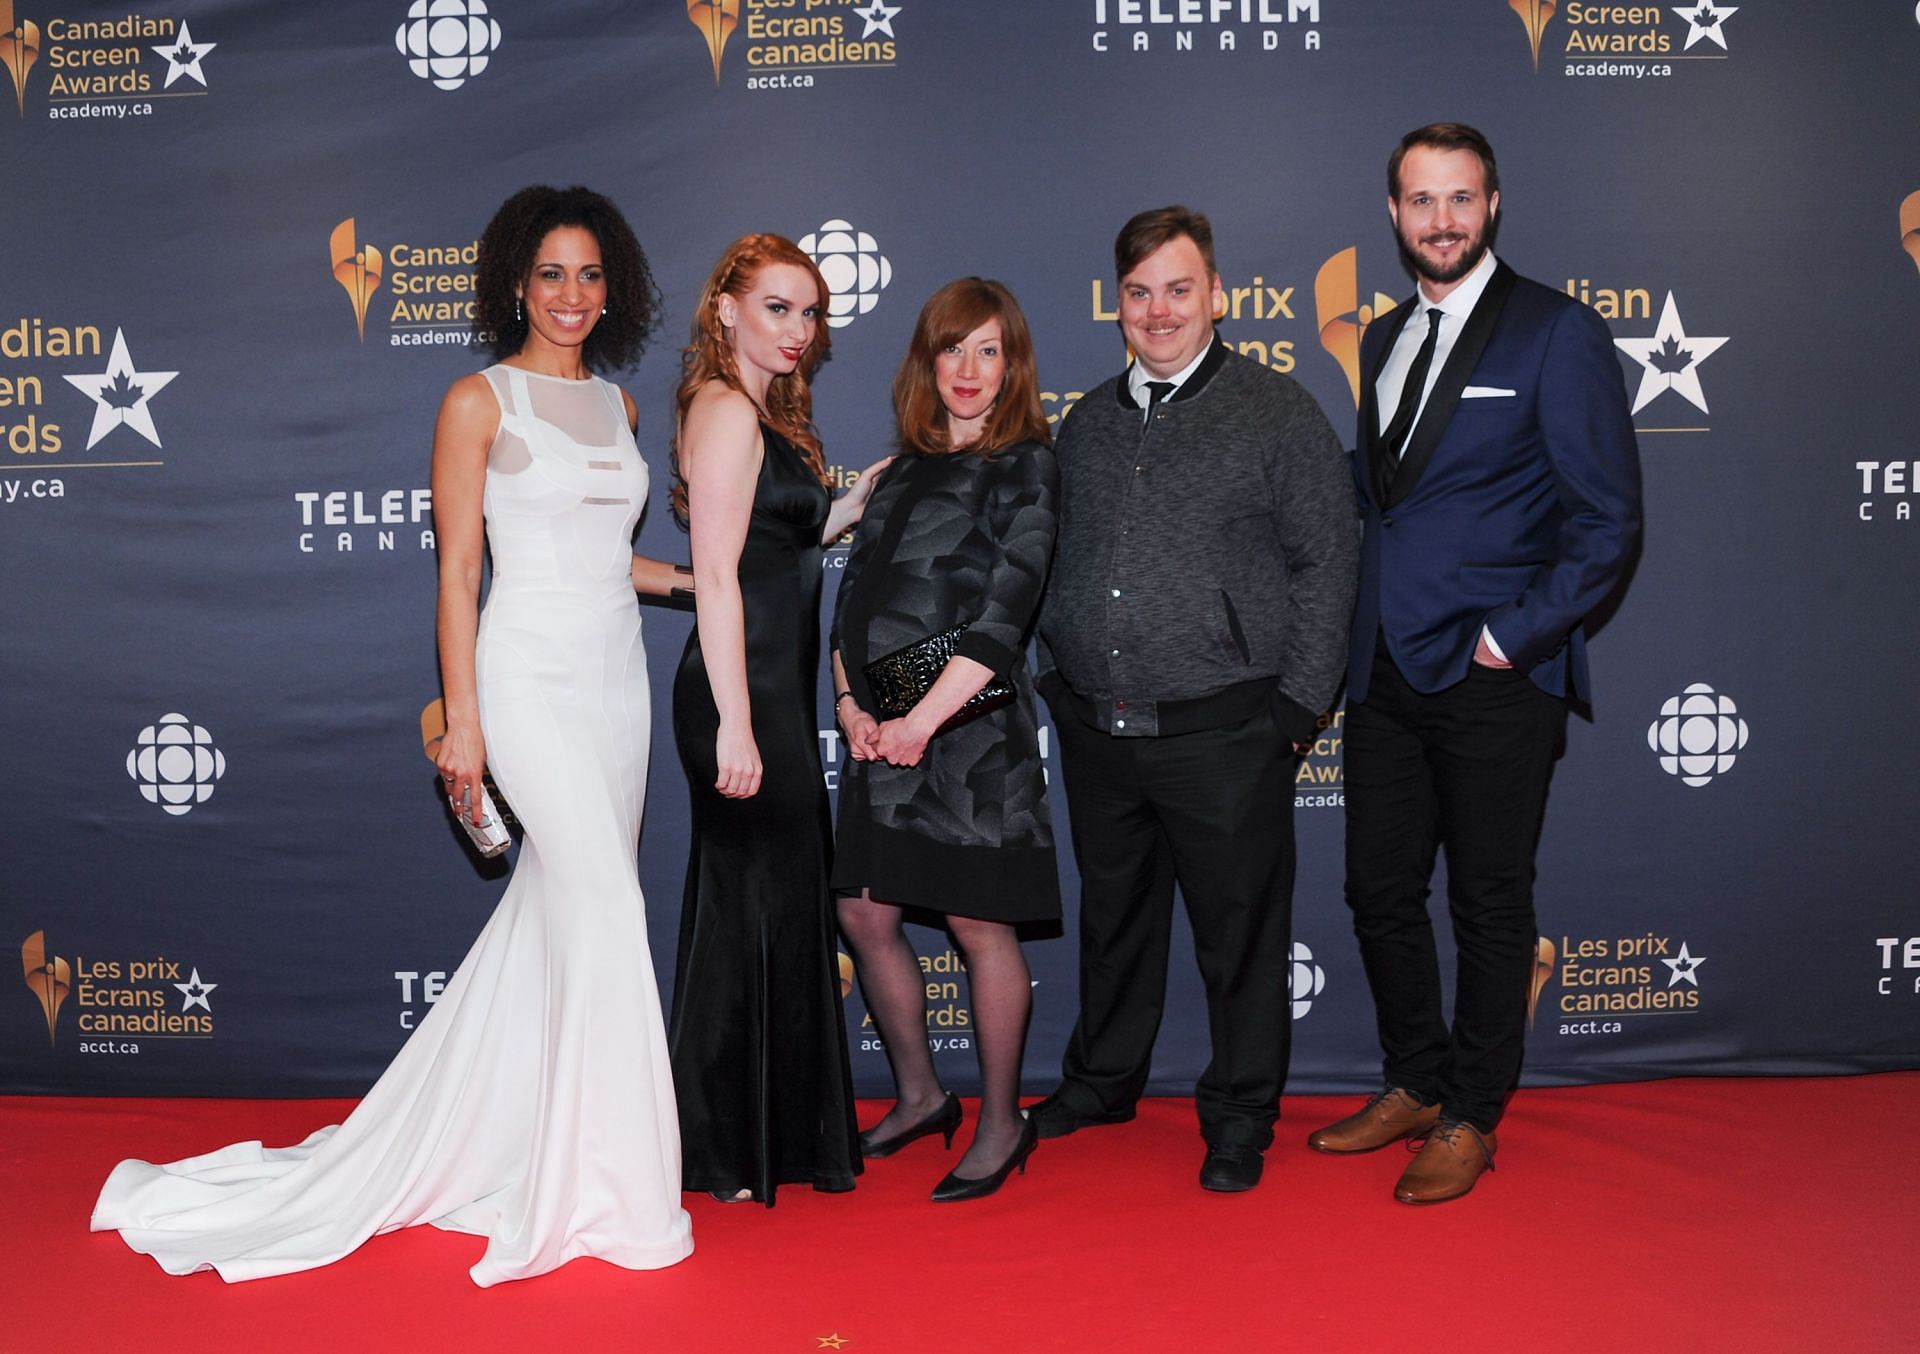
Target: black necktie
<point>1402,422</point>
<point>1156,392</point>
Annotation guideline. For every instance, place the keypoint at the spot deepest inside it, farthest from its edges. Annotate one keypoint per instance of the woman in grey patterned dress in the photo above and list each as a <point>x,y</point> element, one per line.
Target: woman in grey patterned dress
<point>959,531</point>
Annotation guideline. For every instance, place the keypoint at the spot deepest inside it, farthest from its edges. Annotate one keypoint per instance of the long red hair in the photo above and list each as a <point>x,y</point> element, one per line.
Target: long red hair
<point>708,355</point>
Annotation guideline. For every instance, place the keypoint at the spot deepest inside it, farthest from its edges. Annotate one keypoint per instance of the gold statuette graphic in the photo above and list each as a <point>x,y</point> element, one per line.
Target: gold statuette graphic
<point>356,269</point>
<point>1544,955</point>
<point>1534,14</point>
<point>433,728</point>
<point>19,49</point>
<point>1341,317</point>
<point>1910,227</point>
<point>49,978</point>
<point>716,20</point>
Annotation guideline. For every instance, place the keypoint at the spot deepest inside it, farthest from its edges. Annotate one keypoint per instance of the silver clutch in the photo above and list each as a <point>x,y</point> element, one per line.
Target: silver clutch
<point>490,838</point>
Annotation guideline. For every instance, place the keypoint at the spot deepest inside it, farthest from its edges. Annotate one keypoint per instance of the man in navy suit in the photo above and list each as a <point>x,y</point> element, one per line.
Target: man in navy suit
<point>1499,489</point>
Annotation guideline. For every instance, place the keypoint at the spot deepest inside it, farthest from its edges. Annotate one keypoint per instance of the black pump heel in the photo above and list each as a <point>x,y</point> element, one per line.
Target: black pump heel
<point>956,1187</point>
<point>944,1121</point>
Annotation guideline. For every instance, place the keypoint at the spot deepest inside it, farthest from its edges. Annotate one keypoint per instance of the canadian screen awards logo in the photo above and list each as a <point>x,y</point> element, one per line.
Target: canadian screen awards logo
<point>854,268</point>
<point>431,286</point>
<point>184,57</point>
<point>120,394</point>
<point>1607,978</point>
<point>1697,735</point>
<point>101,68</point>
<point>176,764</point>
<point>24,425</point>
<point>356,268</point>
<point>49,978</point>
<point>123,998</point>
<point>1670,360</point>
<point>447,42</point>
<point>37,354</point>
<point>716,20</point>
<point>1341,316</point>
<point>784,49</point>
<point>1633,42</point>
<point>19,51</point>
<point>1534,14</point>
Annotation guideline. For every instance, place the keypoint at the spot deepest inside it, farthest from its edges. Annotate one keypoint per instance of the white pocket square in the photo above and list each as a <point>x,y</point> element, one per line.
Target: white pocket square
<point>1484,392</point>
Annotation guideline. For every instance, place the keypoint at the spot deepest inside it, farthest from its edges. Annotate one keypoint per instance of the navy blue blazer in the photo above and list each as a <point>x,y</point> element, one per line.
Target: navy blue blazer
<point>1516,507</point>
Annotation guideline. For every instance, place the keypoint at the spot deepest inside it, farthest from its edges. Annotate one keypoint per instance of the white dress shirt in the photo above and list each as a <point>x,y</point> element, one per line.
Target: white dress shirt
<point>1138,376</point>
<point>1454,309</point>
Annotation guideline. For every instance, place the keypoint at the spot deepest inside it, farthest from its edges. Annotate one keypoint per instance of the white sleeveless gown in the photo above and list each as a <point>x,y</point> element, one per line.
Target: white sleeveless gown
<point>534,1104</point>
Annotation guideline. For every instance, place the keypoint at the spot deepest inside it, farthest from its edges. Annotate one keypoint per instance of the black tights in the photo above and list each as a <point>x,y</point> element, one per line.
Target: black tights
<point>1001,995</point>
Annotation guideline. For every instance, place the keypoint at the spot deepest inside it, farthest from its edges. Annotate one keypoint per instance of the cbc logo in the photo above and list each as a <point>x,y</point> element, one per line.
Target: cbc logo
<point>1697,734</point>
<point>855,269</point>
<point>447,41</point>
<point>1306,980</point>
<point>175,764</point>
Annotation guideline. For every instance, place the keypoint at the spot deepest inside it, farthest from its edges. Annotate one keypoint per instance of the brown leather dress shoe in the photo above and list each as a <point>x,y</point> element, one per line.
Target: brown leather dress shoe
<point>1454,1155</point>
<point>1391,1115</point>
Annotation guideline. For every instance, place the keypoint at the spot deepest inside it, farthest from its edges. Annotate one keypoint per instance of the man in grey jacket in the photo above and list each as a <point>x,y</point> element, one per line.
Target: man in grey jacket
<point>1195,627</point>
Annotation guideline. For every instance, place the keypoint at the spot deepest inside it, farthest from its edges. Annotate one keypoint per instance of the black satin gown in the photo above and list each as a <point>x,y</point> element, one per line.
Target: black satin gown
<point>757,1036</point>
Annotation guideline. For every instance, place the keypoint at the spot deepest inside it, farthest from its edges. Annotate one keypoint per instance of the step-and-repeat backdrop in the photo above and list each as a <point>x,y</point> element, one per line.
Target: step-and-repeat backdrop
<point>237,245</point>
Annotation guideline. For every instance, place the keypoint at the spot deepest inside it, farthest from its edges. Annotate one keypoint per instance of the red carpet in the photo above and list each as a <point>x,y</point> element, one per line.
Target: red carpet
<point>1698,1215</point>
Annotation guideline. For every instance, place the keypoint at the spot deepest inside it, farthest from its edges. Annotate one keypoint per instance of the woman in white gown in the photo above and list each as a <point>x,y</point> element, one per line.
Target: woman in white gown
<point>534,1105</point>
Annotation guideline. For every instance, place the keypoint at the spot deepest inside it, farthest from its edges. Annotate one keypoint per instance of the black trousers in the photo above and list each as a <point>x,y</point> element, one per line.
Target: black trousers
<point>1465,770</point>
<point>1212,811</point>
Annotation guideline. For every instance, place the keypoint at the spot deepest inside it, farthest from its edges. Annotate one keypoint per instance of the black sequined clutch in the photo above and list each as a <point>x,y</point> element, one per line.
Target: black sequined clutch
<point>899,679</point>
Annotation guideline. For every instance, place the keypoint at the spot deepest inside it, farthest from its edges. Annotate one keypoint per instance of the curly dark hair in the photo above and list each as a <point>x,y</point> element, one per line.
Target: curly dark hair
<point>507,250</point>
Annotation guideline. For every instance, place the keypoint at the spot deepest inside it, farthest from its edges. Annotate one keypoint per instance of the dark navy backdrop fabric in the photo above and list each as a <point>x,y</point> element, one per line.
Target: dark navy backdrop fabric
<point>226,865</point>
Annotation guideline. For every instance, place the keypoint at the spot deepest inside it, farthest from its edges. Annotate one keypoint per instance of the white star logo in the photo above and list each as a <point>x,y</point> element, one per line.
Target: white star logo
<point>120,394</point>
<point>1670,360</point>
<point>1703,21</point>
<point>183,58</point>
<point>193,993</point>
<point>1684,967</point>
<point>879,18</point>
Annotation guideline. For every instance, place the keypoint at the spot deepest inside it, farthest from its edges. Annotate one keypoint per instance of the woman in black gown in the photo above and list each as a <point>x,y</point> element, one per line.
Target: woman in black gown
<point>757,1038</point>
<point>960,532</point>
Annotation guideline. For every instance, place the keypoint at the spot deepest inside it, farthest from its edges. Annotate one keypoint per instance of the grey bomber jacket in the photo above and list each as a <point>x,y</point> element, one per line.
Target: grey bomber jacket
<point>1206,558</point>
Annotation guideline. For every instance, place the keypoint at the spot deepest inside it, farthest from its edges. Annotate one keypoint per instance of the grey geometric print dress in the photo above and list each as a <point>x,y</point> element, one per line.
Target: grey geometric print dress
<point>945,539</point>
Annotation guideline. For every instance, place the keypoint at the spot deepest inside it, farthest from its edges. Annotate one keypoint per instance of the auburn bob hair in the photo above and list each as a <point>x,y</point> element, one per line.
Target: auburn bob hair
<point>950,314</point>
